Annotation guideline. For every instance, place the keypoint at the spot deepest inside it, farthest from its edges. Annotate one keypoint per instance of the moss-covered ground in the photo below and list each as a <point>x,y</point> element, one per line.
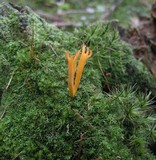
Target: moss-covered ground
<point>109,118</point>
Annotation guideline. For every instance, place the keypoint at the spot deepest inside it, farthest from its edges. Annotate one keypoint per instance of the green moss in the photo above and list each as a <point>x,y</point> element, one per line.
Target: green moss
<point>41,121</point>
<point>113,58</point>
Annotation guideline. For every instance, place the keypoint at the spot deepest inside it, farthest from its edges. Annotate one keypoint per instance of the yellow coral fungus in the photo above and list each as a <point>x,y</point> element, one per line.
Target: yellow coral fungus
<point>74,75</point>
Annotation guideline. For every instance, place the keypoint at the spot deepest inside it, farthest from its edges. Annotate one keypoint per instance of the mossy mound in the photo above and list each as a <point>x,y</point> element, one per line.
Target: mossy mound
<point>38,118</point>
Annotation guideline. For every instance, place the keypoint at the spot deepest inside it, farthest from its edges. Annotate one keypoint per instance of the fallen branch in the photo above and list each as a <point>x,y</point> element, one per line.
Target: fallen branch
<point>56,20</point>
<point>49,17</point>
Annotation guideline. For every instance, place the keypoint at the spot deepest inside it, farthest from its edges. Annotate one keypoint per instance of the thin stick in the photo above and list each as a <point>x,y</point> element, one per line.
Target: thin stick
<point>17,155</point>
<point>12,74</point>
<point>53,50</point>
<point>3,113</point>
<point>109,11</point>
<point>80,144</point>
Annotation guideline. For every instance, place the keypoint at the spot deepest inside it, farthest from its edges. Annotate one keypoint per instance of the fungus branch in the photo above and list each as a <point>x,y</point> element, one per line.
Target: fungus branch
<point>74,76</point>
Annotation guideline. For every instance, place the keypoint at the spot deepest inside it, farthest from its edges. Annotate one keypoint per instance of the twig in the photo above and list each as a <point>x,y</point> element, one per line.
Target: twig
<point>109,11</point>
<point>80,144</point>
<point>49,17</point>
<point>17,155</point>
<point>53,50</point>
<point>66,24</point>
<point>3,113</point>
<point>105,76</point>
<point>88,125</point>
<point>78,114</point>
<point>12,74</point>
<point>82,11</point>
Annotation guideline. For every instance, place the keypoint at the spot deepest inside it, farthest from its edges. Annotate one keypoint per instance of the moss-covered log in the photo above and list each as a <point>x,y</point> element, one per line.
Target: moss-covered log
<point>38,118</point>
